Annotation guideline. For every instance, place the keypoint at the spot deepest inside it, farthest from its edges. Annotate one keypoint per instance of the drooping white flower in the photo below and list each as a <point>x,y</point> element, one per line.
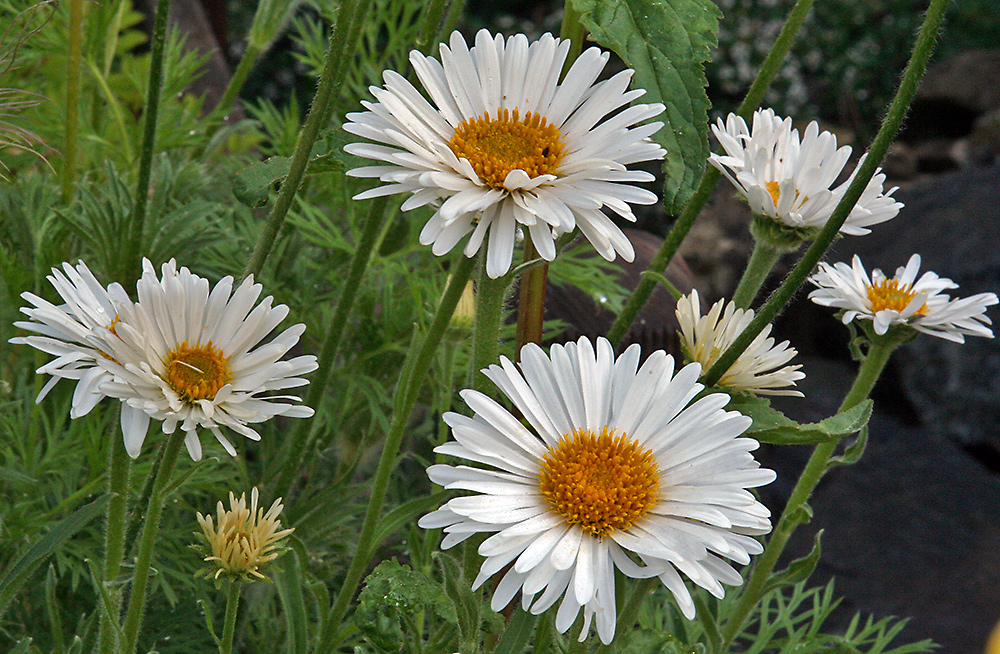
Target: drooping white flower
<point>74,332</point>
<point>902,300</point>
<point>619,469</point>
<point>789,179</point>
<point>195,359</point>
<point>760,369</point>
<point>502,143</point>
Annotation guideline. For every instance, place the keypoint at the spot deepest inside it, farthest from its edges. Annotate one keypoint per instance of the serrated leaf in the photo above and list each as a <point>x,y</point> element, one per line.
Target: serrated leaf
<point>853,452</point>
<point>667,43</point>
<point>772,426</point>
<point>798,570</point>
<point>394,593</point>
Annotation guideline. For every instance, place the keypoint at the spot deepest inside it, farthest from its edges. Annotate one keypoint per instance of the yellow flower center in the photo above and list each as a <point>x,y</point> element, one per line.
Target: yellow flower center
<point>774,188</point>
<point>889,294</point>
<point>601,482</point>
<point>196,373</point>
<point>497,146</point>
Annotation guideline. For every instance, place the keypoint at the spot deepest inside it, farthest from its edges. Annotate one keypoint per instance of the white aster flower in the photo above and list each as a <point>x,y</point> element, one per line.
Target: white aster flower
<point>73,332</point>
<point>760,369</point>
<point>194,359</point>
<point>502,144</point>
<point>619,469</point>
<point>902,300</point>
<point>789,179</point>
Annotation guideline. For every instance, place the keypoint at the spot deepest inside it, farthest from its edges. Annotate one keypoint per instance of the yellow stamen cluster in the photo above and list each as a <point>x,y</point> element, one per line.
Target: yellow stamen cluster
<point>603,483</point>
<point>246,538</point>
<point>497,146</point>
<point>890,294</point>
<point>774,188</point>
<point>196,373</point>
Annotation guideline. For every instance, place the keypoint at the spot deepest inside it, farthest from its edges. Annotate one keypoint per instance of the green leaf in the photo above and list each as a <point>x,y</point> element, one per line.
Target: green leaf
<point>393,594</point>
<point>517,634</point>
<point>405,513</point>
<point>468,604</point>
<point>47,544</point>
<point>772,426</point>
<point>290,582</point>
<point>798,570</point>
<point>667,43</point>
<point>853,452</point>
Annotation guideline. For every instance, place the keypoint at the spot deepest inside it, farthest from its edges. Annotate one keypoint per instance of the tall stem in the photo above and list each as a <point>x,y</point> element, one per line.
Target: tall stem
<point>249,58</point>
<point>406,397</point>
<point>331,344</point>
<point>486,329</point>
<point>762,261</point>
<point>341,45</point>
<point>531,304</point>
<point>138,222</point>
<point>119,466</point>
<point>868,374</point>
<point>886,133</point>
<point>144,561</point>
<point>694,206</point>
<point>72,98</point>
<point>232,608</point>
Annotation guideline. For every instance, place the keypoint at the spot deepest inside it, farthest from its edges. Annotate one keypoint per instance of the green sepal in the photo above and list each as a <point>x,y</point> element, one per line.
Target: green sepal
<point>780,236</point>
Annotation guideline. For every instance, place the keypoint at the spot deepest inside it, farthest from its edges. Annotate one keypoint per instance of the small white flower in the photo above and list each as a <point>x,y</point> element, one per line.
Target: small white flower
<point>760,369</point>
<point>617,469</point>
<point>789,180</point>
<point>74,332</point>
<point>194,359</point>
<point>902,300</point>
<point>502,144</point>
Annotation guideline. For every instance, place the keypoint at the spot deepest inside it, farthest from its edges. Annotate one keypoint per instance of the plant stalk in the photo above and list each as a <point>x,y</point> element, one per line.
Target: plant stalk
<point>762,261</point>
<point>75,58</point>
<point>232,608</point>
<point>531,304</point>
<point>406,391</point>
<point>119,465</point>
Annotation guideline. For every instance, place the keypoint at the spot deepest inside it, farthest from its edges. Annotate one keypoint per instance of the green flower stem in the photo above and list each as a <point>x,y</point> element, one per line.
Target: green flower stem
<point>486,329</point>
<point>694,206</point>
<point>249,58</point>
<point>75,57</point>
<point>406,397</point>
<point>232,608</point>
<point>761,263</point>
<point>114,535</point>
<point>868,374</point>
<point>531,303</point>
<point>147,542</point>
<point>331,345</point>
<point>341,46</point>
<point>886,133</point>
<point>630,612</point>
<point>571,29</point>
<point>428,37</point>
<point>152,110</point>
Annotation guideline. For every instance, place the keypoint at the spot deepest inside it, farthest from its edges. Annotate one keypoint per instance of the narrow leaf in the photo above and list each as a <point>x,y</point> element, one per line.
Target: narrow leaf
<point>772,426</point>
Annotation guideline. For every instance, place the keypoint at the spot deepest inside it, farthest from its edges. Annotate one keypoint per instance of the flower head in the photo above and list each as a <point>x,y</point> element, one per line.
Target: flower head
<point>789,179</point>
<point>919,304</point>
<point>618,468</point>
<point>245,539</point>
<point>74,332</point>
<point>195,359</point>
<point>502,143</point>
<point>760,369</point>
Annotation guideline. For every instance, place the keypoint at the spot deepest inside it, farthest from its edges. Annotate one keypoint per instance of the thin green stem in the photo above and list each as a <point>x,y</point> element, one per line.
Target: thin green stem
<point>886,133</point>
<point>694,206</point>
<point>147,543</point>
<point>74,59</point>
<point>416,367</point>
<point>872,366</point>
<point>236,82</point>
<point>431,23</point>
<point>232,608</point>
<point>119,466</point>
<point>572,30</point>
<point>138,221</point>
<point>762,261</point>
<point>340,47</point>
<point>486,328</point>
<point>331,345</point>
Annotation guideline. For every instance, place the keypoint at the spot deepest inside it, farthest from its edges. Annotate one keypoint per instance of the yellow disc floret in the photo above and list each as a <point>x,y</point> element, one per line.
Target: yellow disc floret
<point>890,294</point>
<point>496,146</point>
<point>603,483</point>
<point>196,373</point>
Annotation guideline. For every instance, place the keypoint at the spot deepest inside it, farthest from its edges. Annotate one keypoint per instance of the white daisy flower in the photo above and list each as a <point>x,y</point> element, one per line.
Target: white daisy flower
<point>788,179</point>
<point>502,144</point>
<point>760,369</point>
<point>194,359</point>
<point>73,332</point>
<point>902,300</point>
<point>617,469</point>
